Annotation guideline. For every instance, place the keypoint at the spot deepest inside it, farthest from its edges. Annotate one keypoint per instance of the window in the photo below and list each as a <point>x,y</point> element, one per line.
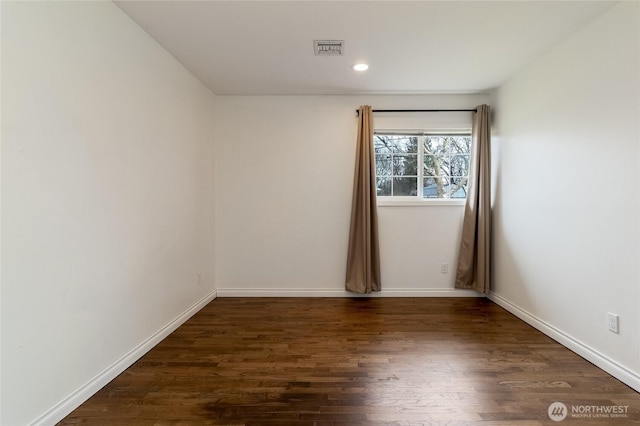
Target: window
<point>422,166</point>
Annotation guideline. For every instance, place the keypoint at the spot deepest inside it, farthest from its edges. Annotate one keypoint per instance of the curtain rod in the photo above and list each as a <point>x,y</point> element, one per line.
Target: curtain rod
<point>420,110</point>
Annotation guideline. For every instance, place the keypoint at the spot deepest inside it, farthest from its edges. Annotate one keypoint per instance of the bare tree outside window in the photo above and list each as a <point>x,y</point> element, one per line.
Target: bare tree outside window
<point>444,170</point>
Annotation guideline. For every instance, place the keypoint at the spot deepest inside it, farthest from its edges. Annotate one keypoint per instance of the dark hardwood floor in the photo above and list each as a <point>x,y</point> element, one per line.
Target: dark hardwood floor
<point>369,361</point>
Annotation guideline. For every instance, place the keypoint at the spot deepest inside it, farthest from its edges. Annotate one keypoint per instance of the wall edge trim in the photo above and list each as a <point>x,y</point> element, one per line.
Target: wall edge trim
<point>63,408</point>
<point>284,292</point>
<point>620,372</point>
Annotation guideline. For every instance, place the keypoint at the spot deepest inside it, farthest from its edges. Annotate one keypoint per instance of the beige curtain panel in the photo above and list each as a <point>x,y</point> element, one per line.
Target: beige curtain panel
<point>363,258</point>
<point>474,259</point>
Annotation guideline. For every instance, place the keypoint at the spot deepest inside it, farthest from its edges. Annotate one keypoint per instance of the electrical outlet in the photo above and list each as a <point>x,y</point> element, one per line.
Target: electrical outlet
<point>613,322</point>
<point>199,278</point>
<point>444,268</point>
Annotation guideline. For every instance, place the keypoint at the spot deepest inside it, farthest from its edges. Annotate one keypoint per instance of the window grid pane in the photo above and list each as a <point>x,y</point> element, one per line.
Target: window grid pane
<point>444,170</point>
<point>445,166</point>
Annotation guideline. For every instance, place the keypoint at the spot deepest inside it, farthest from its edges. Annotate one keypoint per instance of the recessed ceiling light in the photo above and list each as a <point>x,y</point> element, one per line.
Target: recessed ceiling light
<point>361,67</point>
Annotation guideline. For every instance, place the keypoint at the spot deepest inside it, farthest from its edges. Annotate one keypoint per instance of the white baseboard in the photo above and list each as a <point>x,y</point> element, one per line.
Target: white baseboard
<point>74,400</point>
<point>282,292</point>
<point>618,371</point>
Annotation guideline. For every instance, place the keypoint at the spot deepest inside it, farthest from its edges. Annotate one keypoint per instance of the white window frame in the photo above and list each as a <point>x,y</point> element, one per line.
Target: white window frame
<point>417,200</point>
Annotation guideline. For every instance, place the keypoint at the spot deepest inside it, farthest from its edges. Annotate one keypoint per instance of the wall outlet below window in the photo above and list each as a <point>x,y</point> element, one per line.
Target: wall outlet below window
<point>444,268</point>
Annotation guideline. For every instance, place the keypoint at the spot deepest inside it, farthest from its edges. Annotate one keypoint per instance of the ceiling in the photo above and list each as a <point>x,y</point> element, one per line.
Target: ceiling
<point>412,47</point>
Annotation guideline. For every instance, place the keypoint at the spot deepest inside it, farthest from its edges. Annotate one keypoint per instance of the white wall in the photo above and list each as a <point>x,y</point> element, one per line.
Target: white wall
<point>106,183</point>
<point>566,214</point>
<point>284,197</point>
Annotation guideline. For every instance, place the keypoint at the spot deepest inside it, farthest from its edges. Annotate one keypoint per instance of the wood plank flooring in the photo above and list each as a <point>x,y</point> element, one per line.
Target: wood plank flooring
<point>369,361</point>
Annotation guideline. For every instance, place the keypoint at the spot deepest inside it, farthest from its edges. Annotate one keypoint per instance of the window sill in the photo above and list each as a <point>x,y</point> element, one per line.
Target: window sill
<point>420,203</point>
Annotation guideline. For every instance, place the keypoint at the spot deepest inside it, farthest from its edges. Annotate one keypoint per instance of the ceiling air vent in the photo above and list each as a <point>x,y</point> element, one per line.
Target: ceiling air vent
<point>328,47</point>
